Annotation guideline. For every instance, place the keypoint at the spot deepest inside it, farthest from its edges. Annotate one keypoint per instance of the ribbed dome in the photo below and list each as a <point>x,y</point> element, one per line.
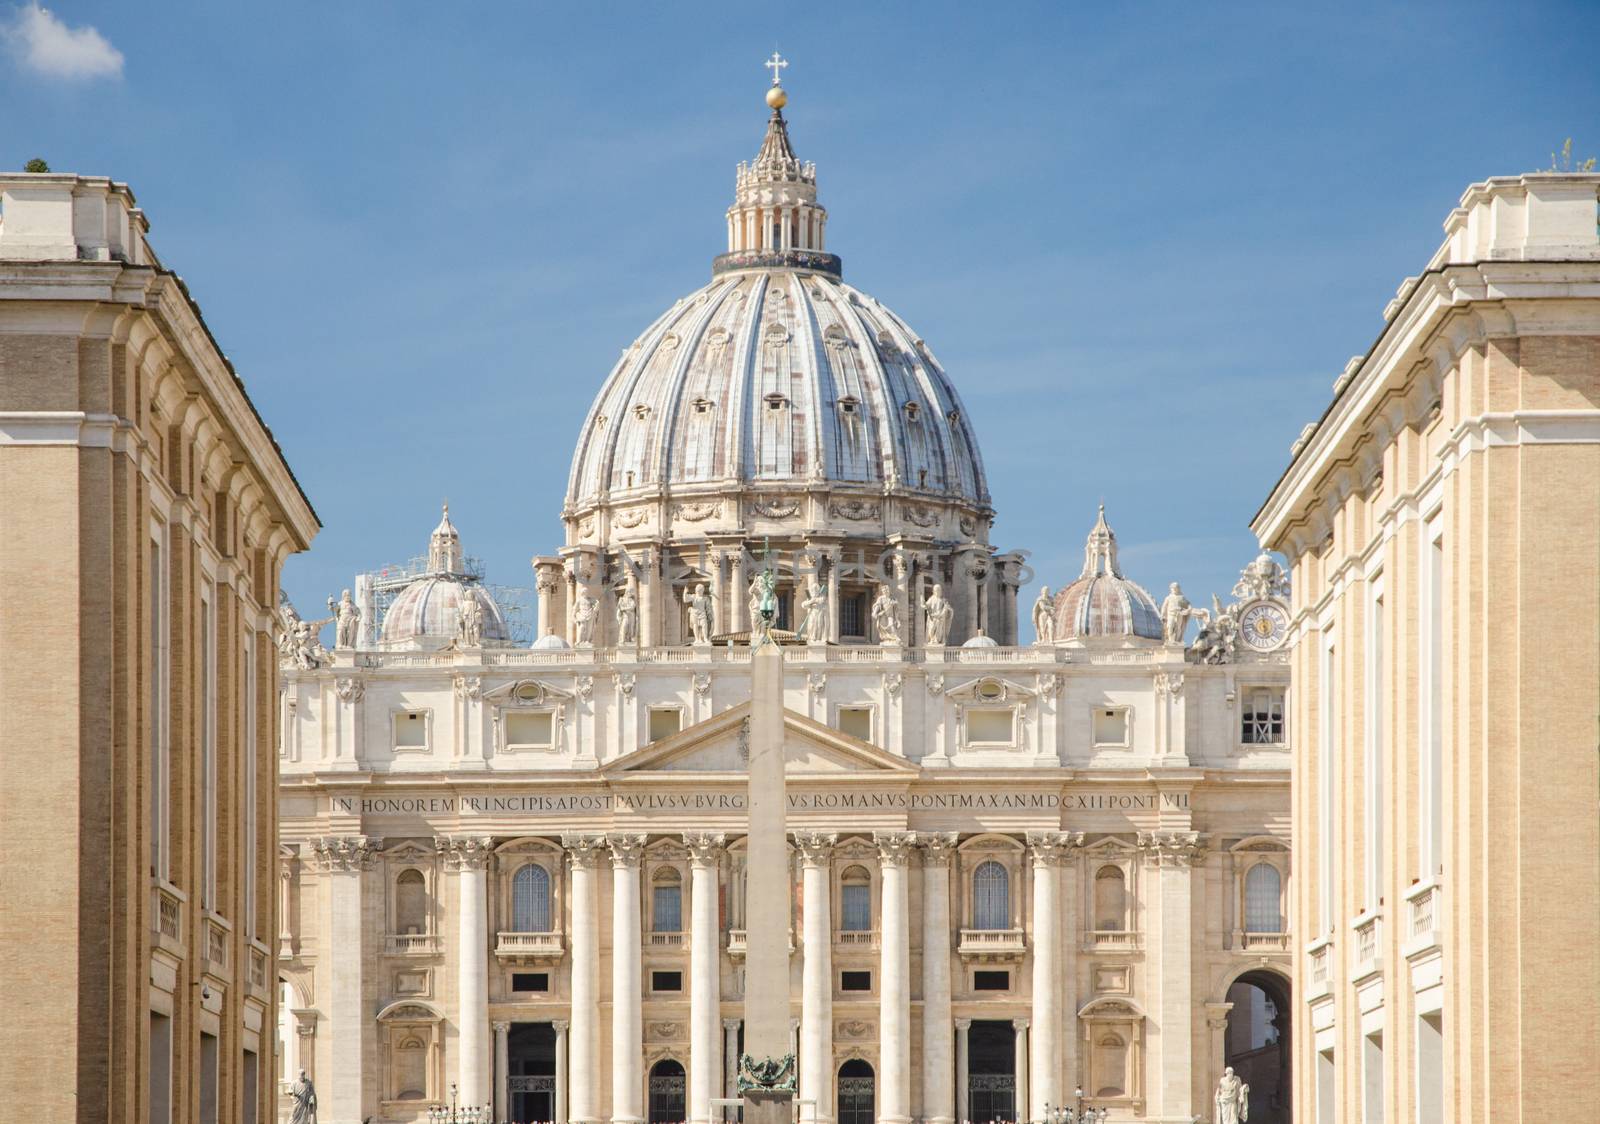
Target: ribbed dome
<point>427,612</point>
<point>778,375</point>
<point>1103,603</point>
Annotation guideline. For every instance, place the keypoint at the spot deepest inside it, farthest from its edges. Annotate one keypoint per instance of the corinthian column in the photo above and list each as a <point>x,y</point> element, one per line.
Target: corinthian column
<point>894,988</point>
<point>627,1017</point>
<point>705,1000</point>
<point>470,858</point>
<point>339,862</point>
<point>1173,854</point>
<point>584,1053</point>
<point>1049,850</point>
<point>816,995</point>
<point>938,1095</point>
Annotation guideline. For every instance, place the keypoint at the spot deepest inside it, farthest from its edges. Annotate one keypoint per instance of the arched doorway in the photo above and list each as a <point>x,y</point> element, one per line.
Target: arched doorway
<point>1256,1043</point>
<point>992,1070</point>
<point>857,1088</point>
<point>667,1092</point>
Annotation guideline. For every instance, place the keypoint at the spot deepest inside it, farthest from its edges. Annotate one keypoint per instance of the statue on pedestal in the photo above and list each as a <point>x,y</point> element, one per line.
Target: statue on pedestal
<point>1175,615</point>
<point>583,614</point>
<point>628,614</point>
<point>346,621</point>
<point>699,605</point>
<point>1044,617</point>
<point>1233,1099</point>
<point>885,617</point>
<point>938,614</point>
<point>469,624</point>
<point>814,612</point>
<point>304,1095</point>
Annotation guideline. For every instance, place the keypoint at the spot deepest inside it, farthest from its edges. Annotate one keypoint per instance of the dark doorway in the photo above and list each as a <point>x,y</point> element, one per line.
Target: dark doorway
<point>667,1095</point>
<point>1256,1043</point>
<point>991,1070</point>
<point>856,1093</point>
<point>531,1072</point>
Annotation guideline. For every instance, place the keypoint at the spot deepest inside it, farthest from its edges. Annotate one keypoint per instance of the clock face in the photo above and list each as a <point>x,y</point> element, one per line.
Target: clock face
<point>1264,626</point>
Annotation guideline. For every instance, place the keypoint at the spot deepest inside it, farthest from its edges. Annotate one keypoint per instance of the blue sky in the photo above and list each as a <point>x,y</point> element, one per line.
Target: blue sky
<point>1142,238</point>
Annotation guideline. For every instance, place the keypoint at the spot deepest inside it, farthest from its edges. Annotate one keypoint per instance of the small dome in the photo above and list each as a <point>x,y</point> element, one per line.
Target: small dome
<point>981,641</point>
<point>1103,603</point>
<point>428,611</point>
<point>551,641</point>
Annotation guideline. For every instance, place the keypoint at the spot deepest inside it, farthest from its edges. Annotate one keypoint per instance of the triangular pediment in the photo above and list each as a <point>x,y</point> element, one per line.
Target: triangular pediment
<point>721,745</point>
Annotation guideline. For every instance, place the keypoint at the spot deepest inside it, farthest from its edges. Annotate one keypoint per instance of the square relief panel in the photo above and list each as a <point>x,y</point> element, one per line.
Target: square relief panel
<point>1110,980</point>
<point>411,982</point>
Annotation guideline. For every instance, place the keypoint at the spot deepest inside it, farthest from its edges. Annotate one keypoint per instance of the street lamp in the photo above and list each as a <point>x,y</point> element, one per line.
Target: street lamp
<point>459,1114</point>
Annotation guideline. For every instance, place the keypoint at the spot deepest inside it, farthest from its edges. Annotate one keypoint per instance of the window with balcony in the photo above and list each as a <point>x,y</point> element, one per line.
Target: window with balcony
<point>855,901</point>
<point>991,897</point>
<point>1263,891</point>
<point>530,899</point>
<point>1261,718</point>
<point>666,901</point>
<point>410,903</point>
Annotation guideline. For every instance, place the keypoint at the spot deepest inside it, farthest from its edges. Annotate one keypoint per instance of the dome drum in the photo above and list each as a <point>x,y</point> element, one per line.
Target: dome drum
<point>813,260</point>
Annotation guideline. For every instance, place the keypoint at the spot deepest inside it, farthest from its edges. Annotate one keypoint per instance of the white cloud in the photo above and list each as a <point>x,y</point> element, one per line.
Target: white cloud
<point>49,47</point>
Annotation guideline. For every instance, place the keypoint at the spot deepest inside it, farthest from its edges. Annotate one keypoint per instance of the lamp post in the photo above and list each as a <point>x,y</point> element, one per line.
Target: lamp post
<point>459,1114</point>
<point>1066,1114</point>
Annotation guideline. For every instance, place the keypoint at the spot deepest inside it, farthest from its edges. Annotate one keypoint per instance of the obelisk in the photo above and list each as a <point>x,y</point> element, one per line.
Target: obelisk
<point>767,1069</point>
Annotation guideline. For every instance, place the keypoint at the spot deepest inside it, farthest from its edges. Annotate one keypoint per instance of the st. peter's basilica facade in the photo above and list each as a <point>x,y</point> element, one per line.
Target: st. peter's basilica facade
<point>1028,859</point>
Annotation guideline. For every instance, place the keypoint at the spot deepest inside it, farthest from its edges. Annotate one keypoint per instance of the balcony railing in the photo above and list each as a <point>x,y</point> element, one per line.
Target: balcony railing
<point>1369,937</point>
<point>167,916</point>
<point>1112,940</point>
<point>856,938</point>
<point>258,969</point>
<point>1264,942</point>
<point>216,935</point>
<point>667,940</point>
<point>1319,969</point>
<point>528,946</point>
<point>1424,917</point>
<point>738,945</point>
<point>411,944</point>
<point>991,944</point>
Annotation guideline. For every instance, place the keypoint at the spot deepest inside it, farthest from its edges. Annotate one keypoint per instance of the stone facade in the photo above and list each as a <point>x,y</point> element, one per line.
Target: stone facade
<point>1442,520</point>
<point>1017,868</point>
<point>145,514</point>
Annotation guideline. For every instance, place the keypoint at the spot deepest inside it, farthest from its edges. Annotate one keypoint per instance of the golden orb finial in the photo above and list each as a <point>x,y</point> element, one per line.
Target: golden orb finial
<point>776,98</point>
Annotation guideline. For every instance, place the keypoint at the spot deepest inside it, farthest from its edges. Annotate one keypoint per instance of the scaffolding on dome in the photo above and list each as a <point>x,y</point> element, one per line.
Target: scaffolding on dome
<point>377,589</point>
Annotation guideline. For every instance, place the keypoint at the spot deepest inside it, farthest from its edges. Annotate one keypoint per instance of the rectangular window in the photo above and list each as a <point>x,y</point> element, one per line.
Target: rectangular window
<point>666,909</point>
<point>208,748</point>
<point>530,981</point>
<point>991,981</point>
<point>666,981</point>
<point>160,1068</point>
<point>855,981</point>
<point>1111,725</point>
<point>249,767</point>
<point>1261,717</point>
<point>160,757</point>
<point>1430,1069</point>
<point>1372,1079</point>
<point>530,729</point>
<point>664,722</point>
<point>1327,772</point>
<point>1374,766</point>
<point>411,729</point>
<point>1432,750</point>
<point>1325,1087</point>
<point>248,1093</point>
<point>208,1078</point>
<point>855,907</point>
<point>853,616</point>
<point>856,721</point>
<point>991,726</point>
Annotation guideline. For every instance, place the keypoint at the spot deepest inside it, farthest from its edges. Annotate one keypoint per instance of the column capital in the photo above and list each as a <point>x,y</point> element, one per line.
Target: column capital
<point>1181,849</point>
<point>705,848</point>
<point>963,1024</point>
<point>626,848</point>
<point>501,1028</point>
<point>815,847</point>
<point>1020,1024</point>
<point>560,1025</point>
<point>344,853</point>
<point>937,847</point>
<point>465,852</point>
<point>732,1024</point>
<point>895,847</point>
<point>1051,848</point>
<point>583,850</point>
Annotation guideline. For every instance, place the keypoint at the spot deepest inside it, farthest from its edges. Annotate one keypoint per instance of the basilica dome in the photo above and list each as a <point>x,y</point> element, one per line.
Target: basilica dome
<point>778,375</point>
<point>1102,603</point>
<point>426,614</point>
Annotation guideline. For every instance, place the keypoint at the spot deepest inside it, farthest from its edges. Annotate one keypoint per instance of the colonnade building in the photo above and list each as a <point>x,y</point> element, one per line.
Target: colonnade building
<point>1026,860</point>
<point>1442,520</point>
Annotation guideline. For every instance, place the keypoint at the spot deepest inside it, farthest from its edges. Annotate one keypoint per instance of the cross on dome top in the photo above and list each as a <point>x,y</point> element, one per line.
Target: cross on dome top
<point>776,63</point>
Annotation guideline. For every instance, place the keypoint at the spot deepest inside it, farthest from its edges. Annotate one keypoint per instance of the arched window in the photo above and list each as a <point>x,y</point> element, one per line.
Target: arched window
<point>410,903</point>
<point>530,900</point>
<point>991,897</point>
<point>1110,899</point>
<point>1263,888</point>
<point>857,1087</point>
<point>855,900</point>
<point>666,1092</point>
<point>666,901</point>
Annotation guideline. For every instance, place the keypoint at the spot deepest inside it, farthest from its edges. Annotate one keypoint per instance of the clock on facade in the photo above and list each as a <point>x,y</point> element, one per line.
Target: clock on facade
<point>1264,625</point>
